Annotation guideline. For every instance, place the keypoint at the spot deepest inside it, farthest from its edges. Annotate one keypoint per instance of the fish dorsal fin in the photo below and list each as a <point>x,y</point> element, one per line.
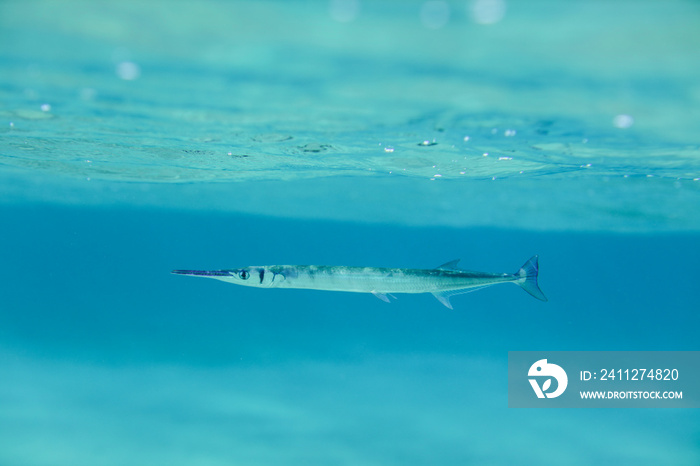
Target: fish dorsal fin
<point>451,265</point>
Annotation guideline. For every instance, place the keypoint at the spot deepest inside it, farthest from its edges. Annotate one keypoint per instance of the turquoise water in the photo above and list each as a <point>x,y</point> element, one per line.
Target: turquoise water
<point>140,138</point>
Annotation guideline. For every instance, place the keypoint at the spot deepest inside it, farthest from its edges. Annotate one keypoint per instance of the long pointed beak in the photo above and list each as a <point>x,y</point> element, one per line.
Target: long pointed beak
<point>203,273</point>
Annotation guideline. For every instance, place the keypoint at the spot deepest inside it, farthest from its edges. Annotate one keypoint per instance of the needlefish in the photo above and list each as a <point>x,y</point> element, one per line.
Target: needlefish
<point>443,282</point>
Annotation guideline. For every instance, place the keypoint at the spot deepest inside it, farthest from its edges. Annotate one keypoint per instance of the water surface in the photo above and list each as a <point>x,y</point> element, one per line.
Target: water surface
<point>140,138</point>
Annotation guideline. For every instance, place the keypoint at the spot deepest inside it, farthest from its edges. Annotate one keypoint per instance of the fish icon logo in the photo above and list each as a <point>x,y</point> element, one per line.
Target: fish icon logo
<point>544,369</point>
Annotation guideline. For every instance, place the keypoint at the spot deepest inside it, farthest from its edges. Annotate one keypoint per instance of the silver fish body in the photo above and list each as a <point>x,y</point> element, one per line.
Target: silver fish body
<point>443,282</point>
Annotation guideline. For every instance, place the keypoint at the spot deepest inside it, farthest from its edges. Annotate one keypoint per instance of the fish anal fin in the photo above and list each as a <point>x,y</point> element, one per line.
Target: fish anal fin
<point>451,265</point>
<point>383,296</point>
<point>444,298</point>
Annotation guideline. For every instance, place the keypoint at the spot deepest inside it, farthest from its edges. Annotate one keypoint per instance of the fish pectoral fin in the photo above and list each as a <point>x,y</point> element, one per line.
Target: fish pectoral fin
<point>383,296</point>
<point>444,298</point>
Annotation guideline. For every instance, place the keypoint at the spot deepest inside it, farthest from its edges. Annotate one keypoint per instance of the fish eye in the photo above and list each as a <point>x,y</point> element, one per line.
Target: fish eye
<point>243,275</point>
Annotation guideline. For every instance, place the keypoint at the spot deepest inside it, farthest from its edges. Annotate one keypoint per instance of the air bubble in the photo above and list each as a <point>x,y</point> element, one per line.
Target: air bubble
<point>88,93</point>
<point>434,14</point>
<point>623,121</point>
<point>344,11</point>
<point>128,70</point>
<point>487,11</point>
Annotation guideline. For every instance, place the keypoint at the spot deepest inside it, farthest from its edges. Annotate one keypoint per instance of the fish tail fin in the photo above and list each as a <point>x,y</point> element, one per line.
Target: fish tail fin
<point>527,278</point>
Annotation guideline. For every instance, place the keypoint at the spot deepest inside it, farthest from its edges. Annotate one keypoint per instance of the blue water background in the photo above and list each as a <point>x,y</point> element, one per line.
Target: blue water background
<point>105,351</point>
<point>269,133</point>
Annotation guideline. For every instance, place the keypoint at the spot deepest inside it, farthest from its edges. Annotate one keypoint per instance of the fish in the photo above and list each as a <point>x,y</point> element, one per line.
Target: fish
<point>443,282</point>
